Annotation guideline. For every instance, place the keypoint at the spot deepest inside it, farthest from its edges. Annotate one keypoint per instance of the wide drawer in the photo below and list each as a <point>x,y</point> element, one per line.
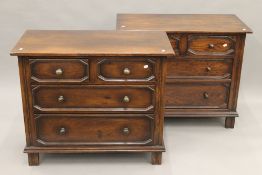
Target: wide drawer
<point>128,69</point>
<point>211,45</point>
<point>93,130</point>
<point>197,95</point>
<point>59,70</point>
<point>73,98</point>
<point>217,69</point>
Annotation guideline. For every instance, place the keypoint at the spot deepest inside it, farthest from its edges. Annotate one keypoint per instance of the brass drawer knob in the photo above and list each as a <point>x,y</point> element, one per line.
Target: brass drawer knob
<point>126,71</point>
<point>205,95</point>
<point>208,69</point>
<point>126,131</point>
<point>61,98</point>
<point>59,71</point>
<point>211,46</point>
<point>126,99</point>
<point>62,131</point>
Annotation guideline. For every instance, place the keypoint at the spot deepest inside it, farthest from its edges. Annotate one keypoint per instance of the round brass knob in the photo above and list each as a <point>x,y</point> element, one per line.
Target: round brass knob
<point>126,71</point>
<point>126,99</point>
<point>59,71</point>
<point>61,98</point>
<point>62,131</point>
<point>211,46</point>
<point>126,131</point>
<point>208,69</point>
<point>205,95</point>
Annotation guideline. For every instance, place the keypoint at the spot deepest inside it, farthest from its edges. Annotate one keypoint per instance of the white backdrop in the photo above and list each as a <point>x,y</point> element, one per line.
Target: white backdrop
<point>244,141</point>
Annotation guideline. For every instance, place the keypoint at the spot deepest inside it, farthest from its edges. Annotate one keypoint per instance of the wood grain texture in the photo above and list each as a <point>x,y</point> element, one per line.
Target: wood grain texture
<point>182,23</point>
<point>201,42</point>
<point>193,95</point>
<point>199,69</point>
<point>71,70</point>
<point>94,130</point>
<point>92,43</point>
<point>71,98</point>
<point>92,116</point>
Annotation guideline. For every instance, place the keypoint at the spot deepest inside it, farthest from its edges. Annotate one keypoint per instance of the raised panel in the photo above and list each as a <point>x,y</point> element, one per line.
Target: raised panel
<point>211,45</point>
<point>94,130</point>
<point>199,69</point>
<point>59,70</point>
<point>93,98</point>
<point>197,95</point>
<point>126,70</point>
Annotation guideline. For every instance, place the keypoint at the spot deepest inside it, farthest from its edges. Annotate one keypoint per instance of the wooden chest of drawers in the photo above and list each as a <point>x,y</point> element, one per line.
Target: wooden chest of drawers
<point>93,91</point>
<point>203,77</point>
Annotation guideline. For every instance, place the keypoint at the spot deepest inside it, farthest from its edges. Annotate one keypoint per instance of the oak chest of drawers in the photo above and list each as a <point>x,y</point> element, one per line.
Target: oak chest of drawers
<point>92,91</point>
<point>203,77</point>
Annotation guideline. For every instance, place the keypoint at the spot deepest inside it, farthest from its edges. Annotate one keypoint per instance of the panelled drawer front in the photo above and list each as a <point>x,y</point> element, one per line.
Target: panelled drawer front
<point>93,98</point>
<point>121,70</point>
<point>175,42</point>
<point>218,69</point>
<point>93,130</point>
<point>59,70</point>
<point>211,45</point>
<point>197,95</point>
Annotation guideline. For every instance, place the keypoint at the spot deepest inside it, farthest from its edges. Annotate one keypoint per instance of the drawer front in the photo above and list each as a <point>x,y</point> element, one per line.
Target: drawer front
<point>59,70</point>
<point>197,95</point>
<point>93,98</point>
<point>218,69</point>
<point>211,45</point>
<point>121,70</point>
<point>93,130</point>
<point>175,42</point>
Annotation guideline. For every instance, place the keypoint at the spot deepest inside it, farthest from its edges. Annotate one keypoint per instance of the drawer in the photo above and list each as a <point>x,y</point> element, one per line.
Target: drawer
<point>121,70</point>
<point>175,42</point>
<point>217,69</point>
<point>70,98</point>
<point>93,130</point>
<point>59,70</point>
<point>211,45</point>
<point>197,95</point>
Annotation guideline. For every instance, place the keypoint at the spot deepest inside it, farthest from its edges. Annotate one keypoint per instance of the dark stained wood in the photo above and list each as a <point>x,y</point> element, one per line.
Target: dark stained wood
<point>59,70</point>
<point>120,70</point>
<point>193,95</point>
<point>156,158</point>
<point>199,69</point>
<point>95,149</point>
<point>88,103</point>
<point>94,130</point>
<point>182,23</point>
<point>210,45</point>
<point>33,159</point>
<point>230,122</point>
<point>91,98</point>
<point>92,43</point>
<point>200,41</point>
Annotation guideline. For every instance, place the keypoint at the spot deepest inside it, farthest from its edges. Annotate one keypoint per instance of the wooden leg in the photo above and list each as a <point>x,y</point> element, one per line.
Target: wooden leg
<point>33,159</point>
<point>156,158</point>
<point>230,122</point>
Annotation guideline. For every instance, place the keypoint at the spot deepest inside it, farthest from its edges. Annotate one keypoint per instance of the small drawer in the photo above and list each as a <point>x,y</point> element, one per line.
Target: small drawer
<point>197,69</point>
<point>59,70</point>
<point>175,42</point>
<point>197,95</point>
<point>93,130</point>
<point>126,70</point>
<point>211,45</point>
<point>73,98</point>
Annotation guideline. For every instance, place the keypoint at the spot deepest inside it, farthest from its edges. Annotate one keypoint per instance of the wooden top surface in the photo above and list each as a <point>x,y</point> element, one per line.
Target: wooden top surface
<point>194,23</point>
<point>92,43</point>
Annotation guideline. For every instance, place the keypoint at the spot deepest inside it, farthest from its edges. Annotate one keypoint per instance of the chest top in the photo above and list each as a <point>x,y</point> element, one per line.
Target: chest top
<point>92,43</point>
<point>195,23</point>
